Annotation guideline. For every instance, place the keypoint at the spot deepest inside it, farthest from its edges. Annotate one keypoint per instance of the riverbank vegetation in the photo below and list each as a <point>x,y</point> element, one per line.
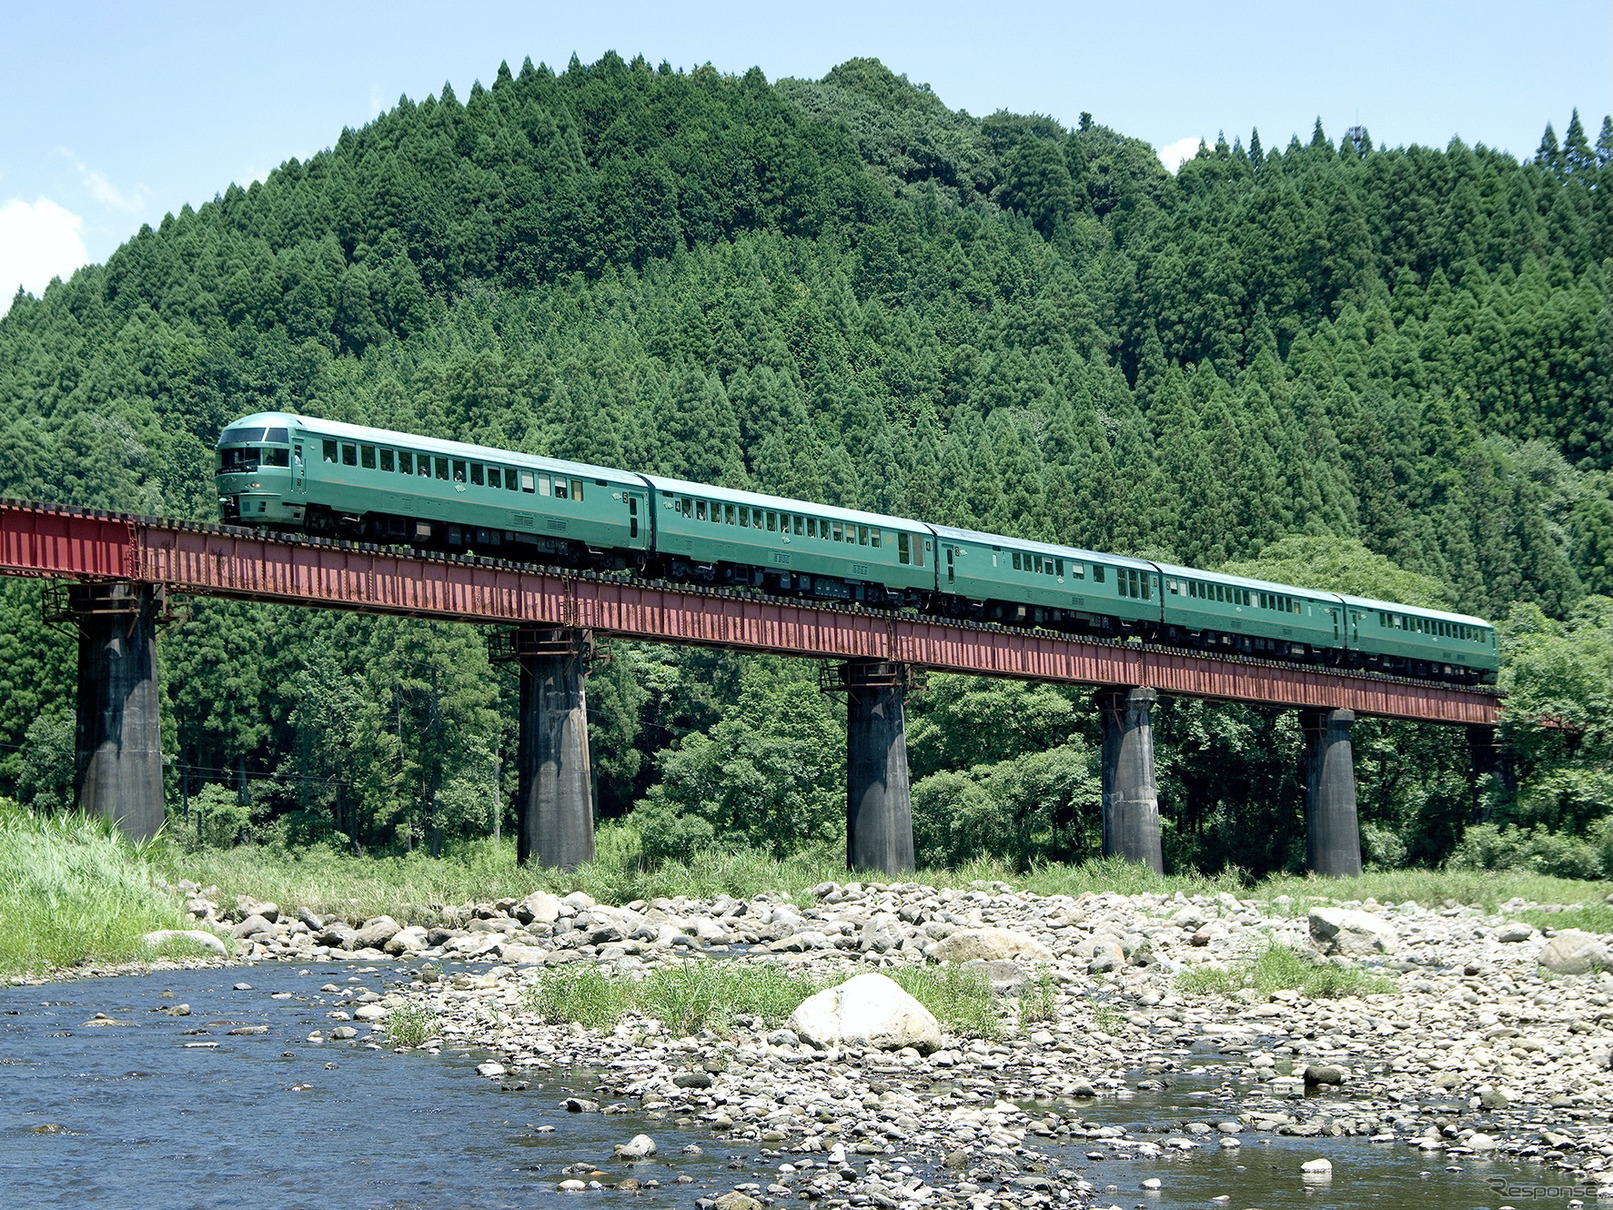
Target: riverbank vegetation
<point>1314,357</point>
<point>74,891</point>
<point>1283,968</point>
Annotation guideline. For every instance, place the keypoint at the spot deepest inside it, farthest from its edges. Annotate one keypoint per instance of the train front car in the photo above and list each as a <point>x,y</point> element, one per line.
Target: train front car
<point>256,469</point>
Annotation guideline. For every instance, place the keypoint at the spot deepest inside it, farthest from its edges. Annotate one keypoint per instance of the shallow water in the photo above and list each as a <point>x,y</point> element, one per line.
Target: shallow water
<point>153,1116</point>
<point>151,1119</point>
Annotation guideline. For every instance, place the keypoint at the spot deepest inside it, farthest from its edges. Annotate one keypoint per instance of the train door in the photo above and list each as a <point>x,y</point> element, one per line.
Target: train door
<point>298,471</point>
<point>632,515</point>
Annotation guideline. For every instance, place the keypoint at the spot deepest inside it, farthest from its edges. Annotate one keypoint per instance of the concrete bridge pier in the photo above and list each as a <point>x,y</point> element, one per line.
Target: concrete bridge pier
<point>879,808</point>
<point>117,769</point>
<point>554,794</point>
<point>1485,751</point>
<point>1332,829</point>
<point>1130,802</point>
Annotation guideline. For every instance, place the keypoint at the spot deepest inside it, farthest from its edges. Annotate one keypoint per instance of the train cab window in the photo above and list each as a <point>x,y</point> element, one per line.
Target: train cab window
<point>800,526</point>
<point>386,460</point>
<point>276,457</point>
<point>904,550</point>
<point>560,488</point>
<point>366,457</point>
<point>330,451</point>
<point>729,514</point>
<point>839,531</point>
<point>529,482</point>
<point>349,455</point>
<point>276,436</point>
<point>476,473</point>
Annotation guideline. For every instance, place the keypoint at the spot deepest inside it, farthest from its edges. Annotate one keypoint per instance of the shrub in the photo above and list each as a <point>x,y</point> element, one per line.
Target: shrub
<point>1488,847</point>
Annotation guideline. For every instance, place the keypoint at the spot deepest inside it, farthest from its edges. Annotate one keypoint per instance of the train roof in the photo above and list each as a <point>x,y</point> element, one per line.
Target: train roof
<point>1041,548</point>
<point>1418,610</point>
<point>433,445</point>
<point>1221,577</point>
<point>685,487</point>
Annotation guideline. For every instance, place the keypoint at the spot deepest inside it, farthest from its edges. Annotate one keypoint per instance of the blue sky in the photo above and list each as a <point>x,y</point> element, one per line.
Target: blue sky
<point>112,114</point>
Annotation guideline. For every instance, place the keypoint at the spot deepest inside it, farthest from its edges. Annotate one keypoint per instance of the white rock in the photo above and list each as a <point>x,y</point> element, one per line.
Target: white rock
<point>1316,1170</point>
<point>869,1010</point>
<point>200,937</point>
<point>1572,952</point>
<point>409,940</point>
<point>369,1012</point>
<point>641,1146</point>
<point>540,906</point>
<point>490,1069</point>
<point>1514,930</point>
<point>1353,933</point>
<point>988,944</point>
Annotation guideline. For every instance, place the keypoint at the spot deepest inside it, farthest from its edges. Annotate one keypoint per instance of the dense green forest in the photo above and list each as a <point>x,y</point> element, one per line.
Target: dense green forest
<point>1329,361</point>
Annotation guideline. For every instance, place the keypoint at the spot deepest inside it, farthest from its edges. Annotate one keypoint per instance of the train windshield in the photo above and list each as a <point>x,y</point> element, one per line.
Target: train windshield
<point>240,436</point>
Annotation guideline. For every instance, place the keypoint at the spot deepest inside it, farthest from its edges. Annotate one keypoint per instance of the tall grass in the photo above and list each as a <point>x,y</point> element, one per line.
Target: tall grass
<point>963,1002</point>
<point>1487,888</point>
<point>73,890</point>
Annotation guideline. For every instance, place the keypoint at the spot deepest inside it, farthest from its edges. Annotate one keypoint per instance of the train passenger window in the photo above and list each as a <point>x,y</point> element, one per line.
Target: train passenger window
<point>495,477</point>
<point>699,510</point>
<point>1017,567</point>
<point>728,513</point>
<point>441,467</point>
<point>386,460</point>
<point>873,536</point>
<point>366,457</point>
<point>1078,571</point>
<point>576,489</point>
<point>904,550</point>
<point>1097,573</point>
<point>330,451</point>
<point>800,526</point>
<point>862,535</point>
<point>1148,587</point>
<point>459,471</point>
<point>772,522</point>
<point>543,482</point>
<point>476,473</point>
<point>349,455</point>
<point>756,521</point>
<point>839,531</point>
<point>528,483</point>
<point>560,489</point>
<point>744,518</point>
<point>509,479</point>
<point>1058,565</point>
<point>405,462</point>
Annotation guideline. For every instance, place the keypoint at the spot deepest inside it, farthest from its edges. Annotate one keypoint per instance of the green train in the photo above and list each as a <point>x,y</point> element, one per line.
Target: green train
<point>329,479</point>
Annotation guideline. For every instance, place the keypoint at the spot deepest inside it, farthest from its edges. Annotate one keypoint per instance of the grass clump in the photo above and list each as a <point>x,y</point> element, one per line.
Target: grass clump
<point>1283,968</point>
<point>73,890</point>
<point>411,1024</point>
<point>686,999</point>
<point>1039,1001</point>
<point>1487,888</point>
<point>961,1001</point>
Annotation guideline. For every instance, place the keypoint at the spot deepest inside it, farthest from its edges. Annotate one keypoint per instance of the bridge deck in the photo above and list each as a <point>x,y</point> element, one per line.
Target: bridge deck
<point>214,560</point>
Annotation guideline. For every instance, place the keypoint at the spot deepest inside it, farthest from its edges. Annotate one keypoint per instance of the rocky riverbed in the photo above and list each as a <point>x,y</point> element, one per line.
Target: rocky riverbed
<point>1493,1044</point>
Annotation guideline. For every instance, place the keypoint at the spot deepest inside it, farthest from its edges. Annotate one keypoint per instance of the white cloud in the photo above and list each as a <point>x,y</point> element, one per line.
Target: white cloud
<point>1173,154</point>
<point>37,242</point>
<point>108,194</point>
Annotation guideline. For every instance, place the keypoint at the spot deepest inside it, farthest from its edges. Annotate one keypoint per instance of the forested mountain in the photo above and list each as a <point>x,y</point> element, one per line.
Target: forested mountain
<point>839,290</point>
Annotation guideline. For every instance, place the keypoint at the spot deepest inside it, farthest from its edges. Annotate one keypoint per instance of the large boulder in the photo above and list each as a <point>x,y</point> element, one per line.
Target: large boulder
<point>1572,952</point>
<point>988,945</point>
<point>252,926</point>
<point>1351,933</point>
<point>880,932</point>
<point>540,906</point>
<point>408,940</point>
<point>376,933</point>
<point>869,1010</point>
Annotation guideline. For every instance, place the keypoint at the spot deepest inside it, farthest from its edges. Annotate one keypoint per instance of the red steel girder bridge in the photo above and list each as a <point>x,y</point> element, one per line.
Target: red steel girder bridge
<point>120,566</point>
<point>186,558</point>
